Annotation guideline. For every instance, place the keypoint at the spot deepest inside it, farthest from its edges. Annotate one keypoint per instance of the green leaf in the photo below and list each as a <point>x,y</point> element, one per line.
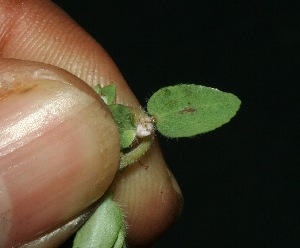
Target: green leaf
<point>109,92</point>
<point>105,228</point>
<point>186,110</point>
<point>124,120</point>
<point>127,137</point>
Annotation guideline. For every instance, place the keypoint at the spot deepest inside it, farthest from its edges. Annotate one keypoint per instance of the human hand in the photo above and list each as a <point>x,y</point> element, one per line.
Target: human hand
<point>59,147</point>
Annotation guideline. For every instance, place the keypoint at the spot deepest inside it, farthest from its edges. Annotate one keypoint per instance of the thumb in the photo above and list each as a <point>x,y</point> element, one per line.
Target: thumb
<point>59,149</point>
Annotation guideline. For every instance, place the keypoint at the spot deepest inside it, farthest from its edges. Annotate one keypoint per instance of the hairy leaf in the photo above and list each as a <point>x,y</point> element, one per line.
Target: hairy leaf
<point>186,110</point>
<point>109,93</point>
<point>124,120</point>
<point>105,228</point>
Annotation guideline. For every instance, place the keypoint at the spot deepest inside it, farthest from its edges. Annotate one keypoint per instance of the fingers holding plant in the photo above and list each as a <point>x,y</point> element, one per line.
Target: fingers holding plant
<point>36,30</point>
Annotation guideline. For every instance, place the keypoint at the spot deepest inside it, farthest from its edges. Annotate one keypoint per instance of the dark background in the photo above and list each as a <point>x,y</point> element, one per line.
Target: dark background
<point>240,182</point>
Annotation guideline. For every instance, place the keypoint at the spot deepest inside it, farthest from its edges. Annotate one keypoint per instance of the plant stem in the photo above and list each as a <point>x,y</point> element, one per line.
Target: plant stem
<point>135,154</point>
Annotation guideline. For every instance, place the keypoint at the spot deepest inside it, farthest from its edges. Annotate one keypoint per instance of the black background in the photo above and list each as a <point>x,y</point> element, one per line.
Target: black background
<point>240,182</point>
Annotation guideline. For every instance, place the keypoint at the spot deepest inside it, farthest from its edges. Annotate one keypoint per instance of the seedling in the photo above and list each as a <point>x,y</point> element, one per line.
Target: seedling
<point>183,110</point>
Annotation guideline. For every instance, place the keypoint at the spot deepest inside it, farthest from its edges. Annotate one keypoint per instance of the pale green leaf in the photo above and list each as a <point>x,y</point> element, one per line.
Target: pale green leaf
<point>105,228</point>
<point>109,92</point>
<point>124,120</point>
<point>127,137</point>
<point>186,110</point>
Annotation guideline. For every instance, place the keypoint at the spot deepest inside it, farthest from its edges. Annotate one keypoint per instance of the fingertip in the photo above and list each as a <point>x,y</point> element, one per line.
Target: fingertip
<point>59,151</point>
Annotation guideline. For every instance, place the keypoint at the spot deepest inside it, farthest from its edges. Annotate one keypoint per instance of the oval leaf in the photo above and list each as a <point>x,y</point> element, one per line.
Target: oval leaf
<point>186,110</point>
<point>105,228</point>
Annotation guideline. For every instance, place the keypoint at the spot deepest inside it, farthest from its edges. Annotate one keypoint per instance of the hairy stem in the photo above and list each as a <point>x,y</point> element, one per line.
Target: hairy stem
<point>136,153</point>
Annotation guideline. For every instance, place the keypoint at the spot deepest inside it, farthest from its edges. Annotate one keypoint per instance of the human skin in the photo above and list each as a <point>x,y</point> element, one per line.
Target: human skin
<point>59,147</point>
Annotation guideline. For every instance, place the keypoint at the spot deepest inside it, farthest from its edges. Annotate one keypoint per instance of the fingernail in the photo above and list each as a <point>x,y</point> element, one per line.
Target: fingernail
<point>58,154</point>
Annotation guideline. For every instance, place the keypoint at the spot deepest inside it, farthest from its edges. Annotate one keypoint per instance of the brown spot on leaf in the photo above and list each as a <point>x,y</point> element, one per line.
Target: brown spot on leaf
<point>187,110</point>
